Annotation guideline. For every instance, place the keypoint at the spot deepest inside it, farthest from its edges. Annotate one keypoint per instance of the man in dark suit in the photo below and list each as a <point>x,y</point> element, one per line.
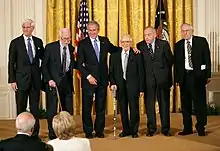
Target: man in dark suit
<point>192,66</point>
<point>24,70</point>
<point>57,68</point>
<point>92,60</point>
<point>126,75</point>
<point>158,61</point>
<point>22,141</point>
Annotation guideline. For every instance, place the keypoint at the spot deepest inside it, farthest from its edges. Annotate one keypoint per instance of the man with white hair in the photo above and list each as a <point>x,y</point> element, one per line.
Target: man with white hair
<point>192,66</point>
<point>24,70</point>
<point>57,69</point>
<point>22,141</point>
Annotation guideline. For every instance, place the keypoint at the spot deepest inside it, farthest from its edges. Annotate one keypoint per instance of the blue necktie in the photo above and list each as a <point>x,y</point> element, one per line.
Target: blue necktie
<point>30,52</point>
<point>96,49</point>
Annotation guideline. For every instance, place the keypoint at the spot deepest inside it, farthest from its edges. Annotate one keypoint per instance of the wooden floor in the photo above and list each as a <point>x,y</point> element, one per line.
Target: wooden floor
<point>211,142</point>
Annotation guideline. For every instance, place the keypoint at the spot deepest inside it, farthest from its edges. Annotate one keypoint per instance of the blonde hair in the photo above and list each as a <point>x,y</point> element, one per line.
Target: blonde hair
<point>63,125</point>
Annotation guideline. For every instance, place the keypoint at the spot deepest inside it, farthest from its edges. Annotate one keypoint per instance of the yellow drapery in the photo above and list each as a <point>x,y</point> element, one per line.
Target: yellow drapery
<point>116,17</point>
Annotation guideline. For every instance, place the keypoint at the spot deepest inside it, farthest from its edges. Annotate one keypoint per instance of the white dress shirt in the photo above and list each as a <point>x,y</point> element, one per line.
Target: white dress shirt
<point>153,45</point>
<point>187,67</point>
<point>32,44</point>
<point>67,56</point>
<point>73,144</point>
<point>97,41</point>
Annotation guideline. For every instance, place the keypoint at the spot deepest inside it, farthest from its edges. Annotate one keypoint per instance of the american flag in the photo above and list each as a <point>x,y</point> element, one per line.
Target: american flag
<point>161,22</point>
<point>83,19</point>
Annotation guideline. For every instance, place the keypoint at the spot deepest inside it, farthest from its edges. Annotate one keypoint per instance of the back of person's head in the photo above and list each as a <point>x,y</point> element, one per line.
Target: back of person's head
<point>25,123</point>
<point>64,125</point>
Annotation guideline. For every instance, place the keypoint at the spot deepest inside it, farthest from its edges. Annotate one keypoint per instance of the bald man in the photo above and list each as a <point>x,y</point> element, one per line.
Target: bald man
<point>126,75</point>
<point>158,61</point>
<point>22,141</point>
<point>57,68</point>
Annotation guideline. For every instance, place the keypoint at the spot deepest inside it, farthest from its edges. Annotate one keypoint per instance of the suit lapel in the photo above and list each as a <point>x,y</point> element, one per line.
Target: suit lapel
<point>24,49</point>
<point>57,51</point>
<point>102,49</point>
<point>90,45</point>
<point>130,58</point>
<point>120,61</point>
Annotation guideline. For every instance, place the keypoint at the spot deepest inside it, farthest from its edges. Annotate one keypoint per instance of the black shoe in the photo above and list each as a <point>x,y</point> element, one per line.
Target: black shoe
<point>89,136</point>
<point>150,133</point>
<point>183,133</point>
<point>134,135</point>
<point>166,134</point>
<point>124,134</point>
<point>201,133</point>
<point>100,135</point>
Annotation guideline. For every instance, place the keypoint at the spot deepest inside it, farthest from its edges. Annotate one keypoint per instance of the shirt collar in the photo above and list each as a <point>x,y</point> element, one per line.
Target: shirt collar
<point>26,38</point>
<point>125,52</point>
<point>61,45</point>
<point>190,40</point>
<point>23,133</point>
<point>93,39</point>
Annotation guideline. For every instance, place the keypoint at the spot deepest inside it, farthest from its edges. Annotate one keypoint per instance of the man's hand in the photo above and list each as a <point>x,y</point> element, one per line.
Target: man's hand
<point>208,81</point>
<point>136,51</point>
<point>141,94</point>
<point>52,84</point>
<point>92,80</point>
<point>113,87</point>
<point>14,86</point>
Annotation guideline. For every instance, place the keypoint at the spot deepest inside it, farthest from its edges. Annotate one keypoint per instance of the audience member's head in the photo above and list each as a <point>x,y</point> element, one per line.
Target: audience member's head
<point>64,125</point>
<point>25,123</point>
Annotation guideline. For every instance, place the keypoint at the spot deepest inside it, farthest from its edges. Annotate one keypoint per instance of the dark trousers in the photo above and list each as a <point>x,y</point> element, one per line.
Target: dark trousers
<point>34,98</point>
<point>100,106</point>
<point>163,97</point>
<point>126,99</point>
<point>193,93</point>
<point>66,100</point>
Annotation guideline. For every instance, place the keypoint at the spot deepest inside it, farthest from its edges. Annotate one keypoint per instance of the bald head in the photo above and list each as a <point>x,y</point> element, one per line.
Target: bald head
<point>25,122</point>
<point>64,36</point>
<point>150,34</point>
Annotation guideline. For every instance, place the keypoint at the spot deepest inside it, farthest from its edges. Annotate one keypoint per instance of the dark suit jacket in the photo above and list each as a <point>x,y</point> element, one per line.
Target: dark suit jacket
<point>20,69</point>
<point>88,63</point>
<point>52,66</point>
<point>161,66</point>
<point>22,143</point>
<point>200,56</point>
<point>134,73</point>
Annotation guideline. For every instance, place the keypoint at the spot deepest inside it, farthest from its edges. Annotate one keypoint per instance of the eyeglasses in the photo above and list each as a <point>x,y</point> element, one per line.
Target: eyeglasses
<point>26,27</point>
<point>66,38</point>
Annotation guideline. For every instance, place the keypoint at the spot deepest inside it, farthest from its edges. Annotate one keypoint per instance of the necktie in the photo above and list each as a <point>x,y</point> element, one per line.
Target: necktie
<point>96,49</point>
<point>30,52</point>
<point>125,65</point>
<point>189,50</point>
<point>64,59</point>
<point>151,50</point>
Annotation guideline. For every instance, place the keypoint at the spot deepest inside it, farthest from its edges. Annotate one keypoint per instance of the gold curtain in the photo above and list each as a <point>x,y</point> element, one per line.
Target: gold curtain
<point>116,17</point>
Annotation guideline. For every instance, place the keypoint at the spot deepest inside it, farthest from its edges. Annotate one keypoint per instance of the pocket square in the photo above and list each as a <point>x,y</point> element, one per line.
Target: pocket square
<point>203,67</point>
